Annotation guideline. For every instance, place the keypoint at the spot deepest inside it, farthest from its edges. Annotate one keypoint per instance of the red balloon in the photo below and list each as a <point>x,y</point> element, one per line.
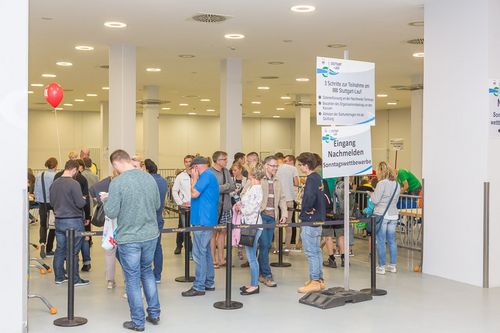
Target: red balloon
<point>54,94</point>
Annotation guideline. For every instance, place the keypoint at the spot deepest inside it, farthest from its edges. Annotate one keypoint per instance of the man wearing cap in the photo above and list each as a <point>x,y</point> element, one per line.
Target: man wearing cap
<point>204,205</point>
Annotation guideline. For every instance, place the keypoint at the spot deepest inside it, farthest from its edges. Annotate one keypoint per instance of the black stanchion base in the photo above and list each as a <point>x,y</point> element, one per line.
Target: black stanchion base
<point>334,297</point>
<point>376,292</point>
<point>233,305</point>
<point>66,322</point>
<point>283,264</point>
<point>184,279</point>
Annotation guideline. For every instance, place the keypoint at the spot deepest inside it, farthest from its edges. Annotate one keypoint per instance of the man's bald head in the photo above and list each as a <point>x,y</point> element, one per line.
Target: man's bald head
<point>84,153</point>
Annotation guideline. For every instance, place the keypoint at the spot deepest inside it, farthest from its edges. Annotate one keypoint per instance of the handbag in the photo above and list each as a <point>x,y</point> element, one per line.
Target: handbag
<point>380,218</point>
<point>99,217</point>
<point>247,235</point>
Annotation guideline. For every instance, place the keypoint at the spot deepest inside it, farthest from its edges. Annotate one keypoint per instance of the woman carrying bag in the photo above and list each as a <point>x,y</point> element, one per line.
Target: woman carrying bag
<point>249,206</point>
<point>386,214</point>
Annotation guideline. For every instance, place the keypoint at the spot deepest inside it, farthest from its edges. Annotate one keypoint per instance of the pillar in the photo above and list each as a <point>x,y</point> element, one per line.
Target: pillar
<point>122,98</point>
<point>230,106</point>
<point>105,166</point>
<point>14,138</point>
<point>150,114</point>
<point>417,104</point>
<point>302,130</point>
<point>458,154</point>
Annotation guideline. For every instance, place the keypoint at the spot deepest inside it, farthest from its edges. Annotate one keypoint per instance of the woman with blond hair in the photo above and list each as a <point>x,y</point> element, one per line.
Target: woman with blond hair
<point>385,198</point>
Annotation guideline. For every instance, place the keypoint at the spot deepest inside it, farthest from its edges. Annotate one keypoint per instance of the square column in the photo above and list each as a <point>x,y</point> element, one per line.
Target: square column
<point>106,166</point>
<point>150,114</point>
<point>231,95</point>
<point>122,98</point>
<point>417,106</point>
<point>302,130</point>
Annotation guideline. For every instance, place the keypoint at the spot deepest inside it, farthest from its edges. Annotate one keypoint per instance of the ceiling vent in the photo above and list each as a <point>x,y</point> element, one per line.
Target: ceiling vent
<point>416,41</point>
<point>152,102</point>
<point>269,77</point>
<point>104,66</point>
<point>209,18</point>
<point>410,87</point>
<point>68,90</point>
<point>336,46</point>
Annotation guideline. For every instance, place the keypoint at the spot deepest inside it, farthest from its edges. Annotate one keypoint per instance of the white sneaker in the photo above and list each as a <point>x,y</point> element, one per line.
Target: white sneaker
<point>391,268</point>
<point>111,284</point>
<point>381,270</point>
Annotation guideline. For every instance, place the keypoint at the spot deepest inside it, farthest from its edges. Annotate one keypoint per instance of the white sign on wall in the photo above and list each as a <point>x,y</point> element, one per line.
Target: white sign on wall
<point>345,92</point>
<point>397,143</point>
<point>494,91</point>
<point>347,151</point>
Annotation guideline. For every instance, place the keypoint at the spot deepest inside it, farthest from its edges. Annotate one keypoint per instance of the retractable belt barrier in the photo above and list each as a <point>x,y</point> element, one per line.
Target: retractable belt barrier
<point>323,300</point>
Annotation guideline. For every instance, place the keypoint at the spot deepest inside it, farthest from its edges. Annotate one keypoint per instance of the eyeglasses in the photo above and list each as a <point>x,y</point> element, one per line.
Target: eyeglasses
<point>222,159</point>
<point>273,165</point>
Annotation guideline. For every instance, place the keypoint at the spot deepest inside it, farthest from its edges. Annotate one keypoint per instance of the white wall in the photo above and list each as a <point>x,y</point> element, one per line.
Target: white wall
<point>455,137</point>
<point>14,143</point>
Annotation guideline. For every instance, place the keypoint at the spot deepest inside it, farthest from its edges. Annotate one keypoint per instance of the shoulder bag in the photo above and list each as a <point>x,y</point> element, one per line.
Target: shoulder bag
<point>380,218</point>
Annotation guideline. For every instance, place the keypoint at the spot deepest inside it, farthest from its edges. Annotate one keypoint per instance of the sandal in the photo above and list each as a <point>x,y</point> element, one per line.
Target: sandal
<point>216,265</point>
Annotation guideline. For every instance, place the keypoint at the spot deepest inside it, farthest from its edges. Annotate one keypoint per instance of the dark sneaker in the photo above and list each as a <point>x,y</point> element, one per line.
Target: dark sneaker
<point>86,268</point>
<point>330,263</point>
<point>50,253</point>
<point>131,326</point>
<point>192,292</point>
<point>209,288</point>
<point>154,321</point>
<point>82,282</point>
<point>43,255</point>
<point>178,250</point>
<point>62,281</point>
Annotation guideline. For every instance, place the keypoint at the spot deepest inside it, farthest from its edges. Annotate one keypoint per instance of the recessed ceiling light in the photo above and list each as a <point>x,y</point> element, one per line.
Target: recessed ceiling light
<point>392,103</point>
<point>68,104</point>
<point>416,24</point>
<point>263,88</point>
<point>49,75</point>
<point>115,24</point>
<point>105,88</point>
<point>336,45</point>
<point>30,91</point>
<point>36,85</point>
<point>210,110</point>
<point>64,63</point>
<point>418,54</point>
<point>303,9</point>
<point>256,102</point>
<point>84,48</point>
<point>275,62</point>
<point>302,79</point>
<point>165,108</point>
<point>234,36</point>
<point>276,116</point>
<point>285,97</point>
<point>256,112</point>
<point>153,69</point>
<point>186,56</point>
<point>59,109</point>
<point>91,95</point>
<point>192,113</point>
<point>382,95</point>
<point>280,109</point>
<point>205,100</point>
<point>79,100</point>
<point>183,104</point>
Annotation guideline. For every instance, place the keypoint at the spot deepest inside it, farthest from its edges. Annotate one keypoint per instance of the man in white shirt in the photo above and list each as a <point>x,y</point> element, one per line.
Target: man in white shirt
<point>289,180</point>
<point>181,192</point>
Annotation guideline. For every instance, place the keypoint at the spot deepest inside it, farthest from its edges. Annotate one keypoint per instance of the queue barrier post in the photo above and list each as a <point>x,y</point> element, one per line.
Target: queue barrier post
<point>228,304</point>
<point>186,277</point>
<point>280,262</point>
<point>373,260</point>
<point>70,320</point>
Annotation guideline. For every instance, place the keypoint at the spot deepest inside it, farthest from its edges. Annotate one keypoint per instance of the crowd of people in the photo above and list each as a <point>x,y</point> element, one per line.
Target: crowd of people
<point>208,192</point>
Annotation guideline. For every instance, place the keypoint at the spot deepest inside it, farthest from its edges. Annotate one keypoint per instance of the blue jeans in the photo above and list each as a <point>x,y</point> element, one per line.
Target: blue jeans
<point>265,241</point>
<point>136,260</point>
<point>202,256</point>
<point>387,232</point>
<point>252,259</point>
<point>158,257</point>
<point>86,251</point>
<point>311,237</point>
<point>60,254</point>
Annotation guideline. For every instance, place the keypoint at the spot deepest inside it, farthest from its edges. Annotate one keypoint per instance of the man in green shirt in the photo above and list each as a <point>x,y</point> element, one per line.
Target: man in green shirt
<point>133,200</point>
<point>409,182</point>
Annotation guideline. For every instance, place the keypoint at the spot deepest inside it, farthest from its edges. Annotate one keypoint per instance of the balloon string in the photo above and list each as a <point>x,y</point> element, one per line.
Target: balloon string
<point>58,138</point>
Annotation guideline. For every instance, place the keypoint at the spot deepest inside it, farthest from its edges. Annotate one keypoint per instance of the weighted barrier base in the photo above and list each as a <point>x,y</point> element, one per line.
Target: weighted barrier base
<point>376,292</point>
<point>184,279</point>
<point>334,297</point>
<point>283,264</point>
<point>65,322</point>
<point>233,305</point>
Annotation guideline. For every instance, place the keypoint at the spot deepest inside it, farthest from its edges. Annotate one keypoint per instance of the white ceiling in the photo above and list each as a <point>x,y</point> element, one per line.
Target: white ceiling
<point>374,31</point>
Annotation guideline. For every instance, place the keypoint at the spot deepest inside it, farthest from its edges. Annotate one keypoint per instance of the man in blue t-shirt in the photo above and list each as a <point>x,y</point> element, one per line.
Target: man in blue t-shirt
<point>204,210</point>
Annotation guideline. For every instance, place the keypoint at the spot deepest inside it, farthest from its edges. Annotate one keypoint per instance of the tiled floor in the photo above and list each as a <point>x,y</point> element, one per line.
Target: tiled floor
<point>415,302</point>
